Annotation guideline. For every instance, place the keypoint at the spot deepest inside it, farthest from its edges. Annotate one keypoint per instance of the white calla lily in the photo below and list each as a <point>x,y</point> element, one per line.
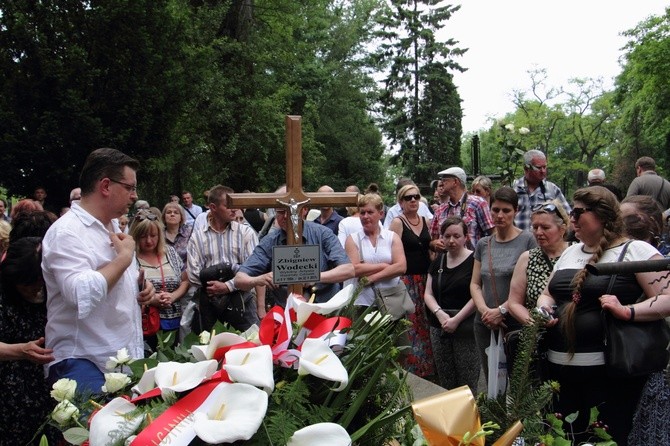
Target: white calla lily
<point>321,434</point>
<point>304,310</point>
<point>177,377</point>
<point>205,352</point>
<point>319,360</point>
<point>111,425</point>
<point>251,366</point>
<point>230,413</point>
<point>147,382</point>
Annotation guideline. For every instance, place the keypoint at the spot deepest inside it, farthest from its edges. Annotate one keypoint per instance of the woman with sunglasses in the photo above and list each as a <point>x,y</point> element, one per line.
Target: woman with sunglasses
<point>575,338</point>
<point>163,267</point>
<point>414,233</point>
<point>495,258</point>
<point>549,224</point>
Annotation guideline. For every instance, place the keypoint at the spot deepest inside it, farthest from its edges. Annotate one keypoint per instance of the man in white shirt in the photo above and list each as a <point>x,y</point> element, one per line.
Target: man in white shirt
<point>192,210</point>
<point>92,276</point>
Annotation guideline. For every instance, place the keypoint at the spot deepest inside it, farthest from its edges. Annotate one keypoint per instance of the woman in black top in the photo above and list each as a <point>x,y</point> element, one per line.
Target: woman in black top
<point>448,299</point>
<point>415,237</point>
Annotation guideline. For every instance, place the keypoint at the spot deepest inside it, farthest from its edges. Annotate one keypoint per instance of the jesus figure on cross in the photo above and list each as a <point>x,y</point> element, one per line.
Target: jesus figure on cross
<point>335,266</point>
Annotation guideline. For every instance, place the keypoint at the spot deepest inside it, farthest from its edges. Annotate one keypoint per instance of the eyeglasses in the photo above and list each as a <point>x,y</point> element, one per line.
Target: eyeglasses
<point>416,197</point>
<point>577,212</point>
<point>536,168</point>
<point>145,215</point>
<point>128,187</point>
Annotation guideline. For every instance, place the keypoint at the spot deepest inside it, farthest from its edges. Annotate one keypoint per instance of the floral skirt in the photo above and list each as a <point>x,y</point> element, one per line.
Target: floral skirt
<point>420,360</point>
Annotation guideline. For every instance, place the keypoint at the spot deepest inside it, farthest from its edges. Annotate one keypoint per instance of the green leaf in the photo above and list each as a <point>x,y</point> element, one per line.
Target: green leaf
<point>593,415</point>
<point>76,435</point>
<point>44,441</point>
<point>602,433</point>
<point>562,442</point>
<point>572,417</point>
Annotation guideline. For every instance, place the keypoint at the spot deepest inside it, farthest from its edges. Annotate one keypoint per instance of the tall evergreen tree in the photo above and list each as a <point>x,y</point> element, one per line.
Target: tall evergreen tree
<point>419,107</point>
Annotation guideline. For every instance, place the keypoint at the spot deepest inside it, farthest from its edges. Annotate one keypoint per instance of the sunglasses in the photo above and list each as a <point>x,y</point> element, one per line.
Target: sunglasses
<point>577,212</point>
<point>416,197</point>
<point>549,207</point>
<point>145,215</point>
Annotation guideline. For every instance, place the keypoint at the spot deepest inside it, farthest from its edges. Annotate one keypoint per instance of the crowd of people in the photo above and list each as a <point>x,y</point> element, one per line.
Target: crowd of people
<point>80,285</point>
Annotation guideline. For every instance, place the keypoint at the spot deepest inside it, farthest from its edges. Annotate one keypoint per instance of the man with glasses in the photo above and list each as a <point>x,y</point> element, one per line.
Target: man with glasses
<point>92,276</point>
<point>473,210</point>
<point>533,188</point>
<point>335,264</point>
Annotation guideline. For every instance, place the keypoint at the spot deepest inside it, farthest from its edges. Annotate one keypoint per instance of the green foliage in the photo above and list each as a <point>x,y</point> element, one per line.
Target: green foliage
<point>197,91</point>
<point>419,106</point>
<point>643,92</point>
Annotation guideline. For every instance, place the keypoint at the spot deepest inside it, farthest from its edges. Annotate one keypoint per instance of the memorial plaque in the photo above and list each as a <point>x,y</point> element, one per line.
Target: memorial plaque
<point>296,264</point>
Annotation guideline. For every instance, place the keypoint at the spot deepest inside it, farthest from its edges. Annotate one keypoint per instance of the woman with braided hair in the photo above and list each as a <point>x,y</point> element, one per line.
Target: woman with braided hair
<point>575,338</point>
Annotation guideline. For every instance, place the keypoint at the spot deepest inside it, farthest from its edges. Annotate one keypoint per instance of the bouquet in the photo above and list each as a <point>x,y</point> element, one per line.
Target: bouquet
<point>304,376</point>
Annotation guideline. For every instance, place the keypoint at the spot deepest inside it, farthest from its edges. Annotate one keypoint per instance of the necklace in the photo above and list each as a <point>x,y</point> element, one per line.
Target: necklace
<point>418,221</point>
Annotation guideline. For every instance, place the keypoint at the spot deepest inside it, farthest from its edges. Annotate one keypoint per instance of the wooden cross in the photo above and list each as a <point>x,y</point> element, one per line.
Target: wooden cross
<point>294,193</point>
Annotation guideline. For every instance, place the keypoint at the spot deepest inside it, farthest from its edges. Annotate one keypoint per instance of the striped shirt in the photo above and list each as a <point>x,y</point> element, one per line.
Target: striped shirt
<point>208,247</point>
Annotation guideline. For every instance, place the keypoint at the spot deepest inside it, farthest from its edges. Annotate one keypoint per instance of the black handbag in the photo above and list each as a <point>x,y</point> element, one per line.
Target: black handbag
<point>634,348</point>
<point>227,308</point>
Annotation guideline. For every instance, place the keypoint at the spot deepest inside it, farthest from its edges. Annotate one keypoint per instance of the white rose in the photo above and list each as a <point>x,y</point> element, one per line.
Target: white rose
<point>205,337</point>
<point>122,357</point>
<point>524,131</point>
<point>64,389</point>
<point>115,382</point>
<point>509,127</point>
<point>65,412</point>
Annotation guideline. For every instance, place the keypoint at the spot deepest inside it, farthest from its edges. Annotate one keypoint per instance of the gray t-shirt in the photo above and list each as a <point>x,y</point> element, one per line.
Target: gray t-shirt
<point>504,258</point>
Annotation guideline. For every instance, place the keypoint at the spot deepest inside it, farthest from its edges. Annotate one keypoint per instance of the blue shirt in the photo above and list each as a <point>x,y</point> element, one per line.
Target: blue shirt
<point>332,255</point>
<point>333,222</point>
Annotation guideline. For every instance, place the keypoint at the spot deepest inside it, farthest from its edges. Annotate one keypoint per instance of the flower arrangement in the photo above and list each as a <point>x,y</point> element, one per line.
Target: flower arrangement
<point>303,376</point>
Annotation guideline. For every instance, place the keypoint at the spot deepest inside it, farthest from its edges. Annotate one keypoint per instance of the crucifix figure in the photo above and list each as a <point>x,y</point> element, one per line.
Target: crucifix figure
<point>294,199</point>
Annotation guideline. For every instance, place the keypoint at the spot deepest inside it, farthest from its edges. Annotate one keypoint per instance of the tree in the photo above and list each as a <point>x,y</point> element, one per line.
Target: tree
<point>419,106</point>
<point>643,92</point>
<point>80,75</point>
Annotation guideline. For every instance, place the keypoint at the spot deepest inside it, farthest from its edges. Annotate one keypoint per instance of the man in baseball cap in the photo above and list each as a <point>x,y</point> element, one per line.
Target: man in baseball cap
<point>472,209</point>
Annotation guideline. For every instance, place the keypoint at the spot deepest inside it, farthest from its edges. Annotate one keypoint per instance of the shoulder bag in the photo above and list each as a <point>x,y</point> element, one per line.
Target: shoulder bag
<point>394,301</point>
<point>634,348</point>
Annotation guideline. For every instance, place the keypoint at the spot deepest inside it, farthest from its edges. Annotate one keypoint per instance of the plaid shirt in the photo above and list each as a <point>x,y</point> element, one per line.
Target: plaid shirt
<point>475,213</point>
<point>527,200</point>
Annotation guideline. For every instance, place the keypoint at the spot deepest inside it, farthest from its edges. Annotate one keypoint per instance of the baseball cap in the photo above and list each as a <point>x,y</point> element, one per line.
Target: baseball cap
<point>454,172</point>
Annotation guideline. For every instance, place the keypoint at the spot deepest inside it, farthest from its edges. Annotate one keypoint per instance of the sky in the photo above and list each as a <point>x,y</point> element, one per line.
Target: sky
<point>506,39</point>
